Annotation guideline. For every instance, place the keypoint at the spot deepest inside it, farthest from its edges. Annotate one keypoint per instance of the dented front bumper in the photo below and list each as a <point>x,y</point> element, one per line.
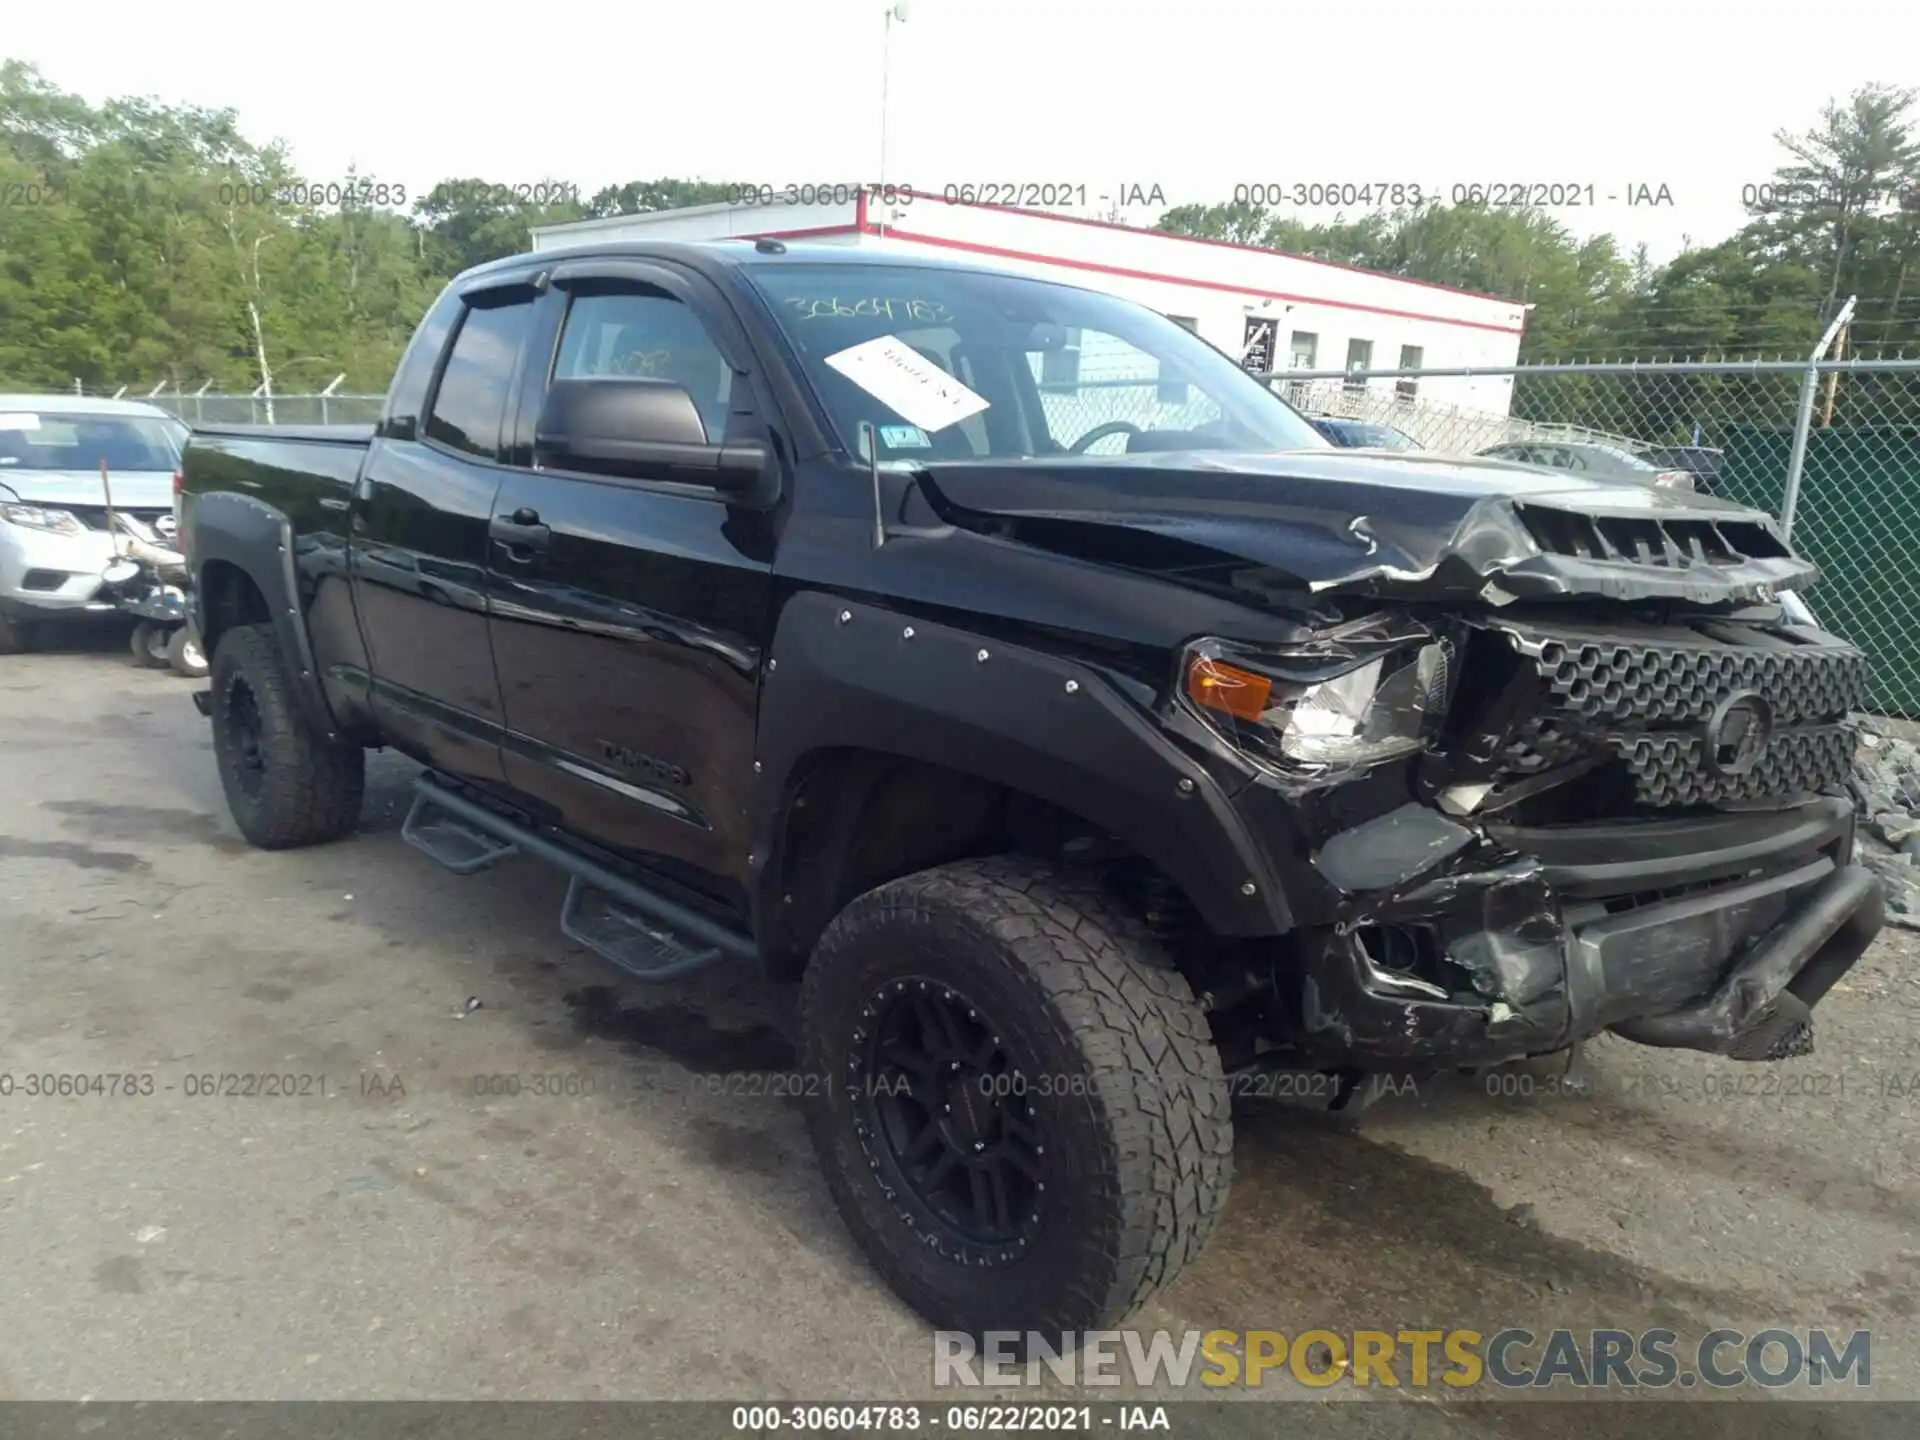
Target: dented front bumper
<point>1463,946</point>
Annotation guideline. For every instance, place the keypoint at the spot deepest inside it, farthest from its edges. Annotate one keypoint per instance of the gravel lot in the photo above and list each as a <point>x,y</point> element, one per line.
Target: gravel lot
<point>405,1237</point>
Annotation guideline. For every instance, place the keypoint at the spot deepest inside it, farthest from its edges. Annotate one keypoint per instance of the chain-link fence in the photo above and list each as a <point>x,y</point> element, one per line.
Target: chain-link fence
<point>1831,448</point>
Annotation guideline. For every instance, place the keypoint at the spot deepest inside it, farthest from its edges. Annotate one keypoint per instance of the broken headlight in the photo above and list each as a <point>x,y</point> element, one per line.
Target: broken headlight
<point>1329,707</point>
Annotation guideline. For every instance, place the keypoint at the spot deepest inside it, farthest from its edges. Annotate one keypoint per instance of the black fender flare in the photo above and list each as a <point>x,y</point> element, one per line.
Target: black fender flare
<point>257,539</point>
<point>842,674</point>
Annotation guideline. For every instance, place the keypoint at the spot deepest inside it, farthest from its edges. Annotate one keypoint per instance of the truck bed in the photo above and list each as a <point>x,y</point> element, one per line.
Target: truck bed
<point>306,471</point>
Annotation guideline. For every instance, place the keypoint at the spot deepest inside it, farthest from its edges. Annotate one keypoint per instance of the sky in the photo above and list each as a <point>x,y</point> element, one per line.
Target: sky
<point>1195,97</point>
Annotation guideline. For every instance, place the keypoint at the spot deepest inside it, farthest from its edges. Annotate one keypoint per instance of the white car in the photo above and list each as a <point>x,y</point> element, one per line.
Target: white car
<point>54,540</point>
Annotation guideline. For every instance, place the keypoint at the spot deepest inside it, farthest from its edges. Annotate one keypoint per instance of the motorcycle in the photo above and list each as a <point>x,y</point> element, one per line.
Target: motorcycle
<point>152,582</point>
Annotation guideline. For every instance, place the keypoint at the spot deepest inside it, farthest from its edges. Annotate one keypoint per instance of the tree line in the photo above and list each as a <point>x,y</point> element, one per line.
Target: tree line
<point>143,242</point>
<point>1839,216</point>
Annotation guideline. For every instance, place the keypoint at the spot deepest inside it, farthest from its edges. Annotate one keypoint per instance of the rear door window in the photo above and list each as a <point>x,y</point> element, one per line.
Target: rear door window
<point>471,401</point>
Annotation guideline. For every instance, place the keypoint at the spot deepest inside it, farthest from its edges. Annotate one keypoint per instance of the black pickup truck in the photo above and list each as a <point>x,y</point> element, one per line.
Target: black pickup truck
<point>1080,730</point>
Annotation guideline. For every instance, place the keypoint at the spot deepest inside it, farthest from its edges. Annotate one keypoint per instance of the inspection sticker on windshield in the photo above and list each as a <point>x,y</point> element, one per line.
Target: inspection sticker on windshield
<point>28,421</point>
<point>904,437</point>
<point>908,383</point>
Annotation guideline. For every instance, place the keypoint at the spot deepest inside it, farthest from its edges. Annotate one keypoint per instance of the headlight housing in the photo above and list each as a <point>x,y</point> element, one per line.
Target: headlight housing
<point>38,517</point>
<point>1328,708</point>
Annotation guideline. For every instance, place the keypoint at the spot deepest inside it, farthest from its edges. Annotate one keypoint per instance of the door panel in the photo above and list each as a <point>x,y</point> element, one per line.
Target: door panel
<point>628,654</point>
<point>628,613</point>
<point>420,591</point>
<point>419,552</point>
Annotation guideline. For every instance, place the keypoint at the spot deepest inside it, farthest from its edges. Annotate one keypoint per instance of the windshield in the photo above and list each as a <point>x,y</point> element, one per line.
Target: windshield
<point>1626,459</point>
<point>1379,437</point>
<point>49,440</point>
<point>954,364</point>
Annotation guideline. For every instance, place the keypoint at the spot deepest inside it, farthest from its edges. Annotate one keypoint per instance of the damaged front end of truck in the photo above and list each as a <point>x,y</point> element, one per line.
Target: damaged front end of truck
<point>1605,789</point>
<point>1534,760</point>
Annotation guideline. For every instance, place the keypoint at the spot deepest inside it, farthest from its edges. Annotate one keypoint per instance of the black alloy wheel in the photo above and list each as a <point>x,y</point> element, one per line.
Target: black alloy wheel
<point>246,735</point>
<point>950,1117</point>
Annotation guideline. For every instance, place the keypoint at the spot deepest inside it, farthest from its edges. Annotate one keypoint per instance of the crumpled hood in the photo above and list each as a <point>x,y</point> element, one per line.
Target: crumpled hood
<point>135,489</point>
<point>1391,524</point>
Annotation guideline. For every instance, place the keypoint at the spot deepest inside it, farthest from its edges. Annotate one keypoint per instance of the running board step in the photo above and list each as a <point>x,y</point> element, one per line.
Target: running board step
<point>652,937</point>
<point>643,948</point>
<point>461,847</point>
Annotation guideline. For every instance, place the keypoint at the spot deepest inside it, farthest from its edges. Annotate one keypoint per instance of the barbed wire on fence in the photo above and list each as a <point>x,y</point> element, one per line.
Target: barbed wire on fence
<point>280,410</point>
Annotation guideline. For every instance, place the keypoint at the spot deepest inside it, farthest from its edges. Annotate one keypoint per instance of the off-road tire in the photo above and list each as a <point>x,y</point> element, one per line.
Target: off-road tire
<point>16,637</point>
<point>1140,1137</point>
<point>286,783</point>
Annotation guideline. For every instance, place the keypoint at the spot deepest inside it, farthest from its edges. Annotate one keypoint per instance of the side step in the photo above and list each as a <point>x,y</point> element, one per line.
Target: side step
<point>461,847</point>
<point>645,950</point>
<point>650,936</point>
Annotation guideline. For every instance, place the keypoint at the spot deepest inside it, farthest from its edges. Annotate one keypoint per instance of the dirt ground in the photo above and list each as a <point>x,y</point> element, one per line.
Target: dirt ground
<point>393,1230</point>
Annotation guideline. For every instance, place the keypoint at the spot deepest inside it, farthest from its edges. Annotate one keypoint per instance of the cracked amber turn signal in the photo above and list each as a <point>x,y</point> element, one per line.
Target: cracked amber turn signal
<point>1219,686</point>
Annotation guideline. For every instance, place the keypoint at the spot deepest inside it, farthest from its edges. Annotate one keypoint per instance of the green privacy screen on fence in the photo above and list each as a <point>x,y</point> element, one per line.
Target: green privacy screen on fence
<point>1859,521</point>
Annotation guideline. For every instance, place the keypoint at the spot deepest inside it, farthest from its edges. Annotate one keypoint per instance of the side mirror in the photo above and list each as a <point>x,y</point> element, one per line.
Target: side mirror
<point>641,428</point>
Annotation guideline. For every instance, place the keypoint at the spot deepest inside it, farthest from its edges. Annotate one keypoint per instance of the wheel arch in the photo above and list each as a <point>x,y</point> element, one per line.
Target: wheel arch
<point>881,755</point>
<point>244,574</point>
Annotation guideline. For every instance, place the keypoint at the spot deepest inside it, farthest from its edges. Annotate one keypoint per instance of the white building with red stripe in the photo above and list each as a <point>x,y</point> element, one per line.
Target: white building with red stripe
<point>1272,310</point>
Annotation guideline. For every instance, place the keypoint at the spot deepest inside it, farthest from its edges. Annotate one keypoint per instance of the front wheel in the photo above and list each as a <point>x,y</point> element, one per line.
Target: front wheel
<point>286,783</point>
<point>1021,1113</point>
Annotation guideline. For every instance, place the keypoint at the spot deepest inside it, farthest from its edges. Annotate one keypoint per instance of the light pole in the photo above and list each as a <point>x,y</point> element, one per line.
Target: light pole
<point>897,11</point>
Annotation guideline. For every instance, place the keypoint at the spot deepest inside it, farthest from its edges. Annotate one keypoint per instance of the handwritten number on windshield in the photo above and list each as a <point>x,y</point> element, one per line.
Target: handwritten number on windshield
<point>922,312</point>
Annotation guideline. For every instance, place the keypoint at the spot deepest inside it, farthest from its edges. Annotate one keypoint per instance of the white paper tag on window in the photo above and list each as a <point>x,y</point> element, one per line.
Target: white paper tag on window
<point>909,384</point>
<point>19,422</point>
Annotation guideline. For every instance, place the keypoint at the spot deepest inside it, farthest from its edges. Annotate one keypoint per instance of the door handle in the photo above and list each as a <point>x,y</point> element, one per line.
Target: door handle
<point>521,535</point>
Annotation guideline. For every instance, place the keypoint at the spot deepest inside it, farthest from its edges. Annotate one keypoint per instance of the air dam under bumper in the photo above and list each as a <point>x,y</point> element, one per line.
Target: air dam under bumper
<point>1714,933</point>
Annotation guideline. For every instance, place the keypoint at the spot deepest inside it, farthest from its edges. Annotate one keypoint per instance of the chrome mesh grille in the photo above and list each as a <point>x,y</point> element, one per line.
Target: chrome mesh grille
<point>1642,695</point>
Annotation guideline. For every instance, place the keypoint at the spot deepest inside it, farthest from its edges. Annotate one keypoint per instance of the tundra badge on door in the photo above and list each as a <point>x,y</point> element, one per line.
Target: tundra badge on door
<point>631,759</point>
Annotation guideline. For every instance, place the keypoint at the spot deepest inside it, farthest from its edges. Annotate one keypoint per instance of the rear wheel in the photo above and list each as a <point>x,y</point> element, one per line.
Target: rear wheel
<point>149,644</point>
<point>184,652</point>
<point>286,783</point>
<point>1021,1114</point>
